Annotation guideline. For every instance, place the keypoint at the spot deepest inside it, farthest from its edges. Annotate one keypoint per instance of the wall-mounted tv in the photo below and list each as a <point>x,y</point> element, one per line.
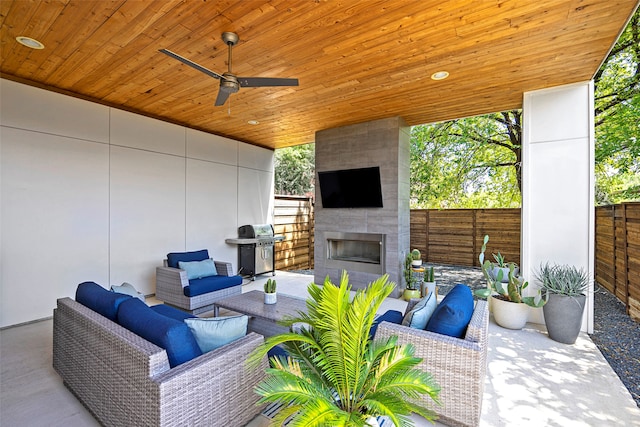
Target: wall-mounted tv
<point>351,188</point>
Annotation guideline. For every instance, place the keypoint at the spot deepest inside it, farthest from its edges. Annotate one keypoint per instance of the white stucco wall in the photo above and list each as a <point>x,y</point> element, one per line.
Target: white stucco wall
<point>558,183</point>
<point>89,192</point>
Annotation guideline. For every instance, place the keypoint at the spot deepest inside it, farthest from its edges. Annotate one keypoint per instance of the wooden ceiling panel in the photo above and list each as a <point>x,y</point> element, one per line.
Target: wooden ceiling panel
<point>356,60</point>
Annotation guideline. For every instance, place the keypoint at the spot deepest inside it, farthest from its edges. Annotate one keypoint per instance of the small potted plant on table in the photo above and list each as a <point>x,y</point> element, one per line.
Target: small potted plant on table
<point>270,296</point>
<point>565,287</point>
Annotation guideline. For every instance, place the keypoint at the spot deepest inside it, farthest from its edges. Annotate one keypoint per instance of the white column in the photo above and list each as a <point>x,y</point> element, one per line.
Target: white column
<point>558,183</point>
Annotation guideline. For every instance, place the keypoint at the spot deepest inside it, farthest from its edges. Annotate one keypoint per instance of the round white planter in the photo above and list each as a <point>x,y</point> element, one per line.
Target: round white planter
<point>270,298</point>
<point>428,287</point>
<point>509,314</point>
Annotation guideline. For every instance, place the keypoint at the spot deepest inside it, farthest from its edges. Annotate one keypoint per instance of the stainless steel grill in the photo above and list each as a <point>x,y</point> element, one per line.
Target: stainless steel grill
<point>255,249</point>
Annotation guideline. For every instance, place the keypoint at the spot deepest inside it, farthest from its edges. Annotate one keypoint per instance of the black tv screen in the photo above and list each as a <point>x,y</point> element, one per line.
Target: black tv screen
<point>351,188</point>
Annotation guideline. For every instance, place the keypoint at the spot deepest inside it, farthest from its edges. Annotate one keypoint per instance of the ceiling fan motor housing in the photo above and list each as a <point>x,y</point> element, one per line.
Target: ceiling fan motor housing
<point>229,83</point>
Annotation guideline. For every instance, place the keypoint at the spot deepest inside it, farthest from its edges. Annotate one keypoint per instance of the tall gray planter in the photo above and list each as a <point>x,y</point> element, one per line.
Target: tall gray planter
<point>563,317</point>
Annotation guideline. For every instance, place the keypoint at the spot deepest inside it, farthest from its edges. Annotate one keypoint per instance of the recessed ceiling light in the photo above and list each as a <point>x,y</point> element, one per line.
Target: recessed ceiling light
<point>253,122</point>
<point>29,42</point>
<point>440,75</point>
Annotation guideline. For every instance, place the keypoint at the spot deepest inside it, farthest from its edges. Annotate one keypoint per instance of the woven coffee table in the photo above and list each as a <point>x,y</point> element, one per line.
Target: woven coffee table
<point>263,317</point>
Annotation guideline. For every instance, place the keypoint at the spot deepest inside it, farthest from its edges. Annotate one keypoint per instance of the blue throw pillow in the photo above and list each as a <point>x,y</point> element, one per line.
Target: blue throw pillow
<point>198,269</point>
<point>100,300</point>
<point>215,332</point>
<point>174,257</point>
<point>167,333</point>
<point>453,314</point>
<point>419,315</point>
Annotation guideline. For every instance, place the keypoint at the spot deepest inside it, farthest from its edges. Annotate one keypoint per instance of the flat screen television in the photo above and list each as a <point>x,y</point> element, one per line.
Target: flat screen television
<point>351,188</point>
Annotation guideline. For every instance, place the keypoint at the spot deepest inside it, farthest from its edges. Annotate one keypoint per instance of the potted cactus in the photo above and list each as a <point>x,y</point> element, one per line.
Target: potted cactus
<point>412,279</point>
<point>416,258</point>
<point>429,284</point>
<point>509,305</point>
<point>270,296</point>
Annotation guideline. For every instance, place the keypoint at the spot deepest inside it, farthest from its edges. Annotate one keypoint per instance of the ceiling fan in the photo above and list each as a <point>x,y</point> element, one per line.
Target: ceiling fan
<point>229,82</point>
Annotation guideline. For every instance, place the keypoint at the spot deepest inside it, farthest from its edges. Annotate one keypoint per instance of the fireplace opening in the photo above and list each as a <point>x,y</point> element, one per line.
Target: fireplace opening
<point>356,251</point>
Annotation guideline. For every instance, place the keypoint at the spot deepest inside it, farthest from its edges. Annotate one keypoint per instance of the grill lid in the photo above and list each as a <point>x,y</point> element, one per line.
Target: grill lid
<point>255,231</point>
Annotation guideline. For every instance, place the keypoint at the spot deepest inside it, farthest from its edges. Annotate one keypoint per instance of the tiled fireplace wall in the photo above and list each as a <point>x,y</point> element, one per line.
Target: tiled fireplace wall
<point>383,143</point>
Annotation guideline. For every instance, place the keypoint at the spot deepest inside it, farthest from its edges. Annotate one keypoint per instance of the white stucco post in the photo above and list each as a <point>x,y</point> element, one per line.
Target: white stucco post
<point>558,183</point>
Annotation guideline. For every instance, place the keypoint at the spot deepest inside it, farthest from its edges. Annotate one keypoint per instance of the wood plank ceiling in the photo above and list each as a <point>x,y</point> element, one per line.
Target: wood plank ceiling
<point>356,60</point>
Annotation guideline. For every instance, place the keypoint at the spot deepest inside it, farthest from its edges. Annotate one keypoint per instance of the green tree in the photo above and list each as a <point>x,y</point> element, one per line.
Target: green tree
<point>335,375</point>
<point>617,119</point>
<point>467,163</point>
<point>295,170</point>
<point>475,162</point>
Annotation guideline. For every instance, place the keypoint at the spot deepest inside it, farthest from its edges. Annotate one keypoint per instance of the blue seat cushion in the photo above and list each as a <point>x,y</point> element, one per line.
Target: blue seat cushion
<point>174,257</point>
<point>99,299</point>
<point>392,316</point>
<point>170,334</point>
<point>172,312</point>
<point>209,284</point>
<point>453,314</point>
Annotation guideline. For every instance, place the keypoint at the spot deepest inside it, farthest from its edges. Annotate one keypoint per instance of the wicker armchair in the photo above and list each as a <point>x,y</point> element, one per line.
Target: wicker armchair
<point>458,365</point>
<point>125,380</point>
<point>170,284</point>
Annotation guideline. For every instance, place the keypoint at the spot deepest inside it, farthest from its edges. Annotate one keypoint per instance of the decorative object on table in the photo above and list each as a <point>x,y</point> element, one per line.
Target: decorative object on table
<point>416,259</point>
<point>413,279</point>
<point>509,306</point>
<point>565,288</point>
<point>502,264</point>
<point>270,296</point>
<point>323,379</point>
<point>429,283</point>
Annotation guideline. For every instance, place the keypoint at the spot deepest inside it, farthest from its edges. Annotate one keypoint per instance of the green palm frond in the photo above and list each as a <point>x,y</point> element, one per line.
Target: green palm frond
<point>334,375</point>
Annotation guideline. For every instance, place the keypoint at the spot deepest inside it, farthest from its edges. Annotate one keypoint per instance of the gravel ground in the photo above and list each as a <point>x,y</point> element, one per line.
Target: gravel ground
<point>616,335</point>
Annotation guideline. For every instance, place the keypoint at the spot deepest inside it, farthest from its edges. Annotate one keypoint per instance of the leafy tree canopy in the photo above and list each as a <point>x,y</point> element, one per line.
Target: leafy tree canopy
<point>295,170</point>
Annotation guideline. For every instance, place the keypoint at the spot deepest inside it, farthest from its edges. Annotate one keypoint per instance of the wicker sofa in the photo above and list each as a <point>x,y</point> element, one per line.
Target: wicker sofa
<point>125,380</point>
<point>457,364</point>
<point>195,296</point>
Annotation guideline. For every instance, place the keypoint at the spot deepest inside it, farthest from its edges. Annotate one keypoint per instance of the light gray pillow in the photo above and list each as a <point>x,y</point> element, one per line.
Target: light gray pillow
<point>419,315</point>
<point>127,289</point>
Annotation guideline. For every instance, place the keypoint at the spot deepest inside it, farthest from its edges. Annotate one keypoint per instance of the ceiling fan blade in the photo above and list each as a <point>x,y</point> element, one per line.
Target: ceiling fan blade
<point>266,81</point>
<point>223,95</point>
<point>192,64</point>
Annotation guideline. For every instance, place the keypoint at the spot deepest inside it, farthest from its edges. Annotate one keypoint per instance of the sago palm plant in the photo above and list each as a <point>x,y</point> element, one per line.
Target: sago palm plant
<point>334,374</point>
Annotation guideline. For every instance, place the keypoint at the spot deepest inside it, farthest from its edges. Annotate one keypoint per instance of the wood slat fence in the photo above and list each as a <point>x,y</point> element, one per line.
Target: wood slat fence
<point>617,261</point>
<point>455,237</point>
<point>293,218</point>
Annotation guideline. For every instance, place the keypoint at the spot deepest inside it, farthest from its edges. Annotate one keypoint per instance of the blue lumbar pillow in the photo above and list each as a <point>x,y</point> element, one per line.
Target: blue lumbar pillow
<point>100,300</point>
<point>215,332</point>
<point>419,315</point>
<point>198,269</point>
<point>453,314</point>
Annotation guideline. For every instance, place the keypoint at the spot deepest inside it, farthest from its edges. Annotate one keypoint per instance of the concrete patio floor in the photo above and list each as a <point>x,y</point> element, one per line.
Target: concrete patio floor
<point>531,380</point>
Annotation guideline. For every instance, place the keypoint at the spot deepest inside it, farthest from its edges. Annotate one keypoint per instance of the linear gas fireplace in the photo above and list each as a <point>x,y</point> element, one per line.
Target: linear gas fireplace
<point>356,251</point>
